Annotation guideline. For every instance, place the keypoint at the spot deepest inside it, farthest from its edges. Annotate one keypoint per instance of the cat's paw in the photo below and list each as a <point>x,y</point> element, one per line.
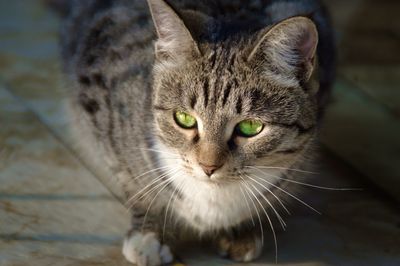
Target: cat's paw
<point>145,249</point>
<point>243,249</point>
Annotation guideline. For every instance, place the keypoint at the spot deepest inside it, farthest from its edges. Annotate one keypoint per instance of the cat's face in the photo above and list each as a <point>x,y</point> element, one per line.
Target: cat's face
<point>223,108</point>
<point>221,116</point>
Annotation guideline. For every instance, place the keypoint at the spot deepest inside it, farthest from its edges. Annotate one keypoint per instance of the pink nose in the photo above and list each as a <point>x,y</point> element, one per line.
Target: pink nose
<point>209,169</point>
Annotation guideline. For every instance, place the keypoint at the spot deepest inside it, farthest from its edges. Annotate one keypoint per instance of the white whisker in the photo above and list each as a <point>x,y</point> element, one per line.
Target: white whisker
<point>180,190</point>
<point>155,150</point>
<point>147,172</point>
<point>288,193</point>
<point>257,212</point>
<point>282,168</point>
<point>155,180</point>
<point>166,210</point>
<point>276,197</point>
<point>306,184</point>
<point>170,180</point>
<point>248,205</point>
<point>269,220</point>
<point>173,171</point>
<point>282,222</point>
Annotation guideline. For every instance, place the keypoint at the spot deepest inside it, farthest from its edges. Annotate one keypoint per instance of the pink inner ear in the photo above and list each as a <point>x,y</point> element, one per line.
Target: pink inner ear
<point>307,44</point>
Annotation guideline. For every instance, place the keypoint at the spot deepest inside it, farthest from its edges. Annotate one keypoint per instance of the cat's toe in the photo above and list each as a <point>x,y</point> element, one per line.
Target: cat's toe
<point>241,250</point>
<point>145,249</point>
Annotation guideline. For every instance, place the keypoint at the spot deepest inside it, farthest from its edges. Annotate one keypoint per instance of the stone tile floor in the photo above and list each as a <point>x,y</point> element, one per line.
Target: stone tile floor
<point>54,210</point>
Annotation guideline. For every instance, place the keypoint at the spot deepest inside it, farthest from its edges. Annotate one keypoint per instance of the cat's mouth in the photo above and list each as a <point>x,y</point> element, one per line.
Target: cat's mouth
<point>217,179</point>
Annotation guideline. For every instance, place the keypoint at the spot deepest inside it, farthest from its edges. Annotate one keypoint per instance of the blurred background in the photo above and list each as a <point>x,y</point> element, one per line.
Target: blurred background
<point>54,210</point>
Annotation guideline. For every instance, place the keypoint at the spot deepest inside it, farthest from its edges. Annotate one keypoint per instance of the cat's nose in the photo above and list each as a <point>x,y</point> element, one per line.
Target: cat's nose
<point>209,169</point>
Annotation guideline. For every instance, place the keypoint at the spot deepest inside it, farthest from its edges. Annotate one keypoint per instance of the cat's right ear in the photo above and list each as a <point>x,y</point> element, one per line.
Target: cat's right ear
<point>174,39</point>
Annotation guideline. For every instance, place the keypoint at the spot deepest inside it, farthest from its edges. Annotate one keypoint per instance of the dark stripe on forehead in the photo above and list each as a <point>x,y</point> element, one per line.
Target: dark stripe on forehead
<point>161,108</point>
<point>227,90</point>
<point>231,61</point>
<point>205,92</point>
<point>239,105</point>
<point>256,96</point>
<point>193,101</point>
<point>218,89</point>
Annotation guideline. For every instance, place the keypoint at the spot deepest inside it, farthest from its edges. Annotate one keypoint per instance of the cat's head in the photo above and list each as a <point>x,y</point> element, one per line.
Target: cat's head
<point>226,106</point>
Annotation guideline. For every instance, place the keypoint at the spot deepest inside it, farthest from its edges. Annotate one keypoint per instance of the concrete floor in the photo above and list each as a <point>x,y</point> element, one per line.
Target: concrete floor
<point>55,211</point>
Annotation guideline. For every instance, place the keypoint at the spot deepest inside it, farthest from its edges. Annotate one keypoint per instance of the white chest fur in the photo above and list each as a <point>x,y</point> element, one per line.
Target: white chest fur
<point>208,206</point>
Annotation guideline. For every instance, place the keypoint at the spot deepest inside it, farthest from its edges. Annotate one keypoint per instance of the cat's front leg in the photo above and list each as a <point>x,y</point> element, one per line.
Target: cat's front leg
<point>242,245</point>
<point>142,245</point>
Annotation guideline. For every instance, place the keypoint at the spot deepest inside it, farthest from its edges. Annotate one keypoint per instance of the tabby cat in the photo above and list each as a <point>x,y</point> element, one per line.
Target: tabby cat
<point>202,111</point>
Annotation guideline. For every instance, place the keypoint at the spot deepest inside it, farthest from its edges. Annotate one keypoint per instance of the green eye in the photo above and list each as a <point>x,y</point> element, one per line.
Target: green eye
<point>185,120</point>
<point>249,128</point>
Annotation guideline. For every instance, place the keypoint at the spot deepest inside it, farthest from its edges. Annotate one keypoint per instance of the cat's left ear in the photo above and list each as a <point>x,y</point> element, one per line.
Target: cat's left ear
<point>175,41</point>
<point>286,52</point>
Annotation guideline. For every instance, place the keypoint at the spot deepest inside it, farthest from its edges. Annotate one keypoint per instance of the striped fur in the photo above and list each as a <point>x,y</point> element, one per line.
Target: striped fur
<point>222,61</point>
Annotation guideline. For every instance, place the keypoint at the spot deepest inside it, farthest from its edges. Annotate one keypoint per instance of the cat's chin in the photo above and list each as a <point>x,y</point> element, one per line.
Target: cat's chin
<point>218,180</point>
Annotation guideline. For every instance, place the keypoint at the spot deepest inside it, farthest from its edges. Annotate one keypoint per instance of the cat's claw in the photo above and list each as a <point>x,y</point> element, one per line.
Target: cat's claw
<point>145,249</point>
